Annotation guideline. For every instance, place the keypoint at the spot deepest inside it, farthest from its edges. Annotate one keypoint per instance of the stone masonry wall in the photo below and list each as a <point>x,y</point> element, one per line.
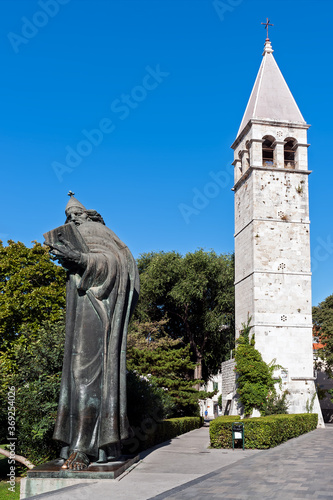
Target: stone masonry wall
<point>228,381</point>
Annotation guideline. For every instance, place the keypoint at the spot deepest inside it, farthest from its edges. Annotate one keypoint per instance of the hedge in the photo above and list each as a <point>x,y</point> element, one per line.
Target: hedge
<point>152,433</point>
<point>173,427</point>
<point>262,432</point>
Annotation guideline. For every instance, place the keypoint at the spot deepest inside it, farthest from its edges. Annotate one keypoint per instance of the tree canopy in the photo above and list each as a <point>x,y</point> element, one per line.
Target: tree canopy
<point>32,289</point>
<point>32,364</point>
<point>167,363</point>
<point>322,316</point>
<point>195,293</point>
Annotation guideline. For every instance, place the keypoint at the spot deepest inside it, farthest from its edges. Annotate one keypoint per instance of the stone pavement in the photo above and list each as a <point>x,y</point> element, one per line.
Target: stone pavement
<point>298,469</point>
<point>185,469</point>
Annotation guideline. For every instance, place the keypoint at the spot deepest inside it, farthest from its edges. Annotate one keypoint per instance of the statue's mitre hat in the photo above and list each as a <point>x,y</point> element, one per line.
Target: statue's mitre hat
<point>73,203</point>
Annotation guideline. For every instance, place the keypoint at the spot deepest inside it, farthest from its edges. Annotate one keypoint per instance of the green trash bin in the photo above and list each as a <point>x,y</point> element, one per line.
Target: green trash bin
<point>237,433</point>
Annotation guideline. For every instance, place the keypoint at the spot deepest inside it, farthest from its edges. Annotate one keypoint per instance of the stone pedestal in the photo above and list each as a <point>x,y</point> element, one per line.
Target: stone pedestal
<point>50,476</point>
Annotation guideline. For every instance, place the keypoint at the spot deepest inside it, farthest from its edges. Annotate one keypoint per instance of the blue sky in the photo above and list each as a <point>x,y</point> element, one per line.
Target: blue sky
<point>133,105</point>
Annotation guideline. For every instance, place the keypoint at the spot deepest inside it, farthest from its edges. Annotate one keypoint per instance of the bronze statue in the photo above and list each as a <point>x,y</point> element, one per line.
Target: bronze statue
<point>102,290</point>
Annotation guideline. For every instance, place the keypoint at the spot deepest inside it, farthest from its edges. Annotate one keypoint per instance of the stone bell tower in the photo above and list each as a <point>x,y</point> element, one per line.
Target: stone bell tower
<point>272,243</point>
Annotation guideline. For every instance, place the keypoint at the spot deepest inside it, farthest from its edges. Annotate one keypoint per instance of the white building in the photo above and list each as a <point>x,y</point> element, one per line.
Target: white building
<point>210,405</point>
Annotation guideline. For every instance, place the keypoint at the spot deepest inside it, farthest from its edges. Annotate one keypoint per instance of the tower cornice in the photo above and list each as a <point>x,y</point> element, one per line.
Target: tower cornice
<point>268,169</point>
<point>268,122</point>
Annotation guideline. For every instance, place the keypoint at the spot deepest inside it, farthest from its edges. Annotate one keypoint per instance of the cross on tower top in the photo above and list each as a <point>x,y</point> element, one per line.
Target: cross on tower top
<point>266,24</point>
<point>70,193</point>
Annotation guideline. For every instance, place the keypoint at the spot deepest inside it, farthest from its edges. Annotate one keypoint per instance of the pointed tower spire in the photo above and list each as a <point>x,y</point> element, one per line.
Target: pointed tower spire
<point>270,98</point>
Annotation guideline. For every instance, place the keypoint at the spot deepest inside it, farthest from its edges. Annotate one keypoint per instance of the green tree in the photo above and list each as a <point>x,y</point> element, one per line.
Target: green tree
<point>166,363</point>
<point>32,365</point>
<point>195,293</point>
<point>322,316</point>
<point>255,382</point>
<point>32,289</point>
<point>146,400</point>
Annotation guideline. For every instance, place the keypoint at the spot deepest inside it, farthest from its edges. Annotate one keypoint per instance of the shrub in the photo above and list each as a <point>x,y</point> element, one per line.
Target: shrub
<point>173,427</point>
<point>145,399</point>
<point>148,407</point>
<point>262,432</point>
<point>153,432</point>
<point>275,405</point>
<point>255,382</point>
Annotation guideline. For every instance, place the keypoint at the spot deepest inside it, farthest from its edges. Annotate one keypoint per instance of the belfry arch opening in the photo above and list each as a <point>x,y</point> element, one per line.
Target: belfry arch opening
<point>289,153</point>
<point>268,151</point>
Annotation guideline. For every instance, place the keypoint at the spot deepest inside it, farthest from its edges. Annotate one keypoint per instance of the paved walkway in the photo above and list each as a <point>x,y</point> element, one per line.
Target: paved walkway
<point>186,469</point>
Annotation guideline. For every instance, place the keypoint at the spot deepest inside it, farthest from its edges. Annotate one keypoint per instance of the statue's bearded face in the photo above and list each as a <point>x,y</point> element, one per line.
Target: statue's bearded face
<point>76,215</point>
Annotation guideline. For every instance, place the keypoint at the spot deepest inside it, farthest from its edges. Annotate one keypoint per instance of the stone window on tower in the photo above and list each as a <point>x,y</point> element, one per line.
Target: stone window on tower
<point>268,151</point>
<point>247,155</point>
<point>244,158</point>
<point>289,153</point>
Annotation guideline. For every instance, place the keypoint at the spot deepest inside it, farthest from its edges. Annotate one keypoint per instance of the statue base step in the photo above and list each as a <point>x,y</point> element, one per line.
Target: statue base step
<point>50,476</point>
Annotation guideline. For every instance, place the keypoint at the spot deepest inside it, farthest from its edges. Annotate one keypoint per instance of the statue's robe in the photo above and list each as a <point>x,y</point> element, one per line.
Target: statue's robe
<point>101,295</point>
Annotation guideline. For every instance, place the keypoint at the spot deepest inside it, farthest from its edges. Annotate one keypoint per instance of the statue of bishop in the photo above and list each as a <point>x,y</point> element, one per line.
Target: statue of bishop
<point>102,291</point>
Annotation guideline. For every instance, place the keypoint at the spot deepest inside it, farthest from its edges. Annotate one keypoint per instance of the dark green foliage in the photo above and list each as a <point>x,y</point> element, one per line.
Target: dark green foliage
<point>33,366</point>
<point>145,399</point>
<point>262,432</point>
<point>154,431</point>
<point>167,364</point>
<point>196,294</point>
<point>32,289</point>
<point>255,382</point>
<point>219,401</point>
<point>148,404</point>
<point>322,316</point>
<point>330,392</point>
<point>275,405</point>
<point>36,405</point>
<point>173,427</point>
